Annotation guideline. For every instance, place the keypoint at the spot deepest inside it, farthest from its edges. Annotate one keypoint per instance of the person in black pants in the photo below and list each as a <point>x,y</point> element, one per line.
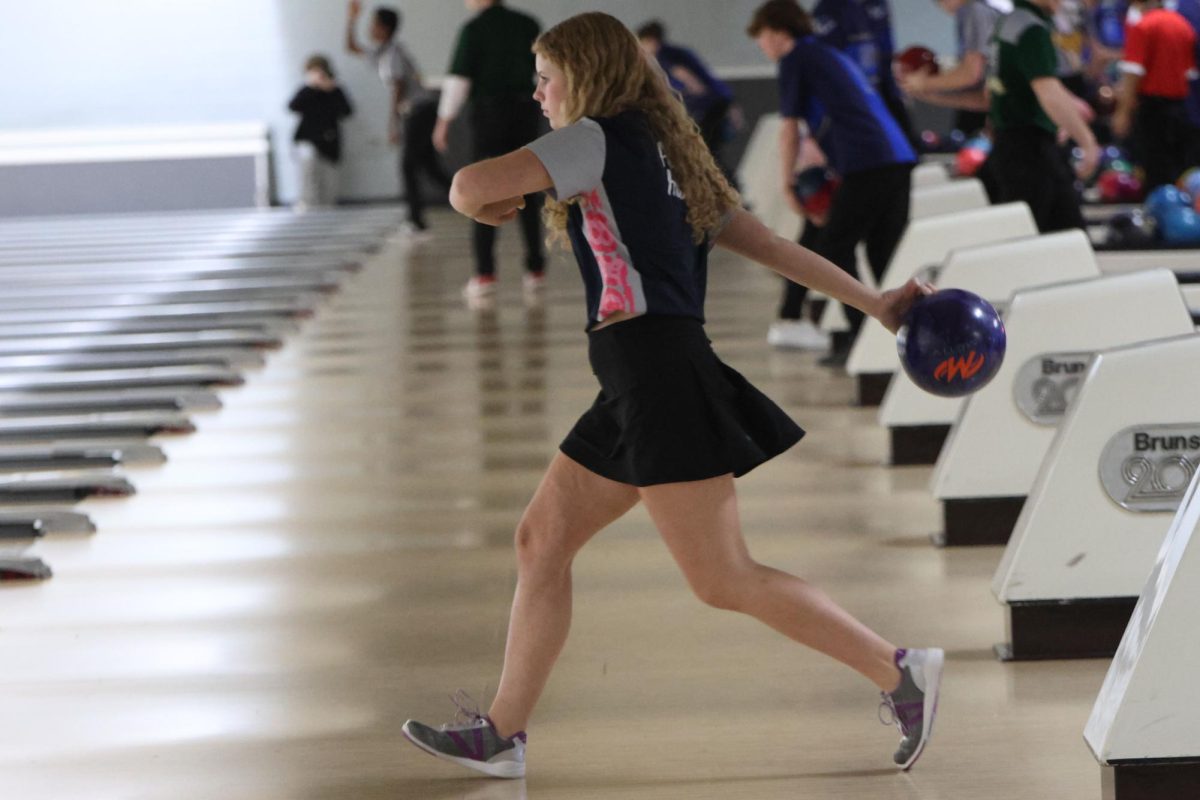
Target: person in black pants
<point>493,67</point>
<point>822,92</point>
<point>322,105</point>
<point>411,107</point>
<point>1029,105</point>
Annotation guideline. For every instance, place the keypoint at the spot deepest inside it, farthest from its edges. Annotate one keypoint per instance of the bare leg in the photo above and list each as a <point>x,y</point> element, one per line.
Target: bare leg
<point>570,506</point>
<point>698,520</point>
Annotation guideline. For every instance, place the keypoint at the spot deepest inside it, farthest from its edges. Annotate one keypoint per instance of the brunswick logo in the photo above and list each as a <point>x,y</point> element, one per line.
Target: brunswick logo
<point>1149,467</point>
<point>959,367</point>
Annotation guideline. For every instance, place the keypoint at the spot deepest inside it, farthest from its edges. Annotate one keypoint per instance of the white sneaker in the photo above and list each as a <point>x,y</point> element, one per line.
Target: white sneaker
<point>533,282</point>
<point>408,230</point>
<point>479,286</point>
<point>797,334</point>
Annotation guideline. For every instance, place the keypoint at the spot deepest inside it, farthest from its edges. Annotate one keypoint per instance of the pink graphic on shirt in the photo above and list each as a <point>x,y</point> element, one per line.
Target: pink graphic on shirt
<point>617,294</point>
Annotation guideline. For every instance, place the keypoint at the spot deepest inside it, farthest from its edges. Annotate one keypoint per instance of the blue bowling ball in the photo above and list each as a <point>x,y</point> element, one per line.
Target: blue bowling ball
<point>1164,197</point>
<point>1179,225</point>
<point>951,343</point>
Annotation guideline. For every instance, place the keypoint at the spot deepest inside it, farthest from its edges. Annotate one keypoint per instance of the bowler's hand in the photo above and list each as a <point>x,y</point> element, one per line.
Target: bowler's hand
<point>500,212</point>
<point>895,303</point>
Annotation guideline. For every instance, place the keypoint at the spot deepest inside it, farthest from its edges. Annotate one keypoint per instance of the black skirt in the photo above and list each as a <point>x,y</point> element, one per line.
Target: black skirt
<point>669,410</point>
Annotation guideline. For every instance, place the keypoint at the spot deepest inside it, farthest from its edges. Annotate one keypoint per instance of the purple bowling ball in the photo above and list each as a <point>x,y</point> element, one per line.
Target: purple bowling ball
<point>951,343</point>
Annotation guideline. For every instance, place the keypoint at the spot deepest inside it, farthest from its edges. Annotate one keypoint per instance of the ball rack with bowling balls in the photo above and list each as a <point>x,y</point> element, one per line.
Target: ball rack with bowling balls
<point>951,343</point>
<point>1168,219</point>
<point>972,155</point>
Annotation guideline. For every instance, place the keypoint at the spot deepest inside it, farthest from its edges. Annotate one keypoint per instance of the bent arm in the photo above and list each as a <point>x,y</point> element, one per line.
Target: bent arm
<point>1061,106</point>
<point>690,82</point>
<point>352,45</point>
<point>496,180</point>
<point>967,73</point>
<point>969,100</point>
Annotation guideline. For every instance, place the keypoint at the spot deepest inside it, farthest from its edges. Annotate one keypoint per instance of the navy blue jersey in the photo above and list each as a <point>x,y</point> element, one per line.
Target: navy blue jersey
<point>862,30</point>
<point>629,228</point>
<point>820,85</point>
<point>671,56</point>
<point>1190,10</point>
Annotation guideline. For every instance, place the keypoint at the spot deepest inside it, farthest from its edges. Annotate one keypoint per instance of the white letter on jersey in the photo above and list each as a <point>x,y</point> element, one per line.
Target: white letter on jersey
<point>672,186</point>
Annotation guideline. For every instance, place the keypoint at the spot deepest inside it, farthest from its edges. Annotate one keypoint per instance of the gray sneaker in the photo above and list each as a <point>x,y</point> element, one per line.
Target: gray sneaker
<point>471,742</point>
<point>913,704</point>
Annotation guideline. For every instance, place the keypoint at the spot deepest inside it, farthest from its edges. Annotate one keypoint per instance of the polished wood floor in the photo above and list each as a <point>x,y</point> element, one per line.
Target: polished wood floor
<point>330,554</point>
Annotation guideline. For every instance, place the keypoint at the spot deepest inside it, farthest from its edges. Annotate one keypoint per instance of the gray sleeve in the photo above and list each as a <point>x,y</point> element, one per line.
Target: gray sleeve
<point>722,224</point>
<point>978,24</point>
<point>574,157</point>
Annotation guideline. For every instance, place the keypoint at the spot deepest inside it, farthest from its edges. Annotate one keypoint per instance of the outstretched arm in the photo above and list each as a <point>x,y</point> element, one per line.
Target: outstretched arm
<point>748,237</point>
<point>492,191</point>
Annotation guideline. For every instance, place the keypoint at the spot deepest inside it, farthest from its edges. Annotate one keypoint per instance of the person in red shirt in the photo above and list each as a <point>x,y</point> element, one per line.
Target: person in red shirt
<point>1158,60</point>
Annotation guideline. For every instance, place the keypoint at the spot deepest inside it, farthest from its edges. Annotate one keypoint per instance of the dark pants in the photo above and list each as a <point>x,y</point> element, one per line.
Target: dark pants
<point>870,207</point>
<point>970,122</point>
<point>712,130</point>
<point>501,125</point>
<point>899,111</point>
<point>419,156</point>
<point>794,293</point>
<point>1161,137</point>
<point>1028,165</point>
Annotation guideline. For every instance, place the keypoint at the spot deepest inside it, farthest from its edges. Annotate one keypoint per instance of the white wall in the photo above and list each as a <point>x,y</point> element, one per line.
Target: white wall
<point>95,63</point>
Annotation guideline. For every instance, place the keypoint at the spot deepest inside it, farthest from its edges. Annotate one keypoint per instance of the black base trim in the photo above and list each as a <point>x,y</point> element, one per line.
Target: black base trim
<point>978,521</point>
<point>917,444</point>
<point>872,386</point>
<point>1168,779</point>
<point>1081,628</point>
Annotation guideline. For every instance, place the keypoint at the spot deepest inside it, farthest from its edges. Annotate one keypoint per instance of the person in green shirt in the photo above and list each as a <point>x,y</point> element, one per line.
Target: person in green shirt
<point>1028,107</point>
<point>493,68</point>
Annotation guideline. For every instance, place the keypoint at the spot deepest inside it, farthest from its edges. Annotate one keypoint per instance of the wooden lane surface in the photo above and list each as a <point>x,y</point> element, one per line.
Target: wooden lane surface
<point>330,554</point>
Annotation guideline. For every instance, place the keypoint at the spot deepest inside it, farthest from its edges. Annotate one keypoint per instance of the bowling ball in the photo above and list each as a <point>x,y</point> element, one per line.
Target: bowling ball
<point>930,141</point>
<point>957,138</point>
<point>969,160</point>
<point>1105,101</point>
<point>1119,187</point>
<point>1180,225</point>
<point>814,187</point>
<point>1130,229</point>
<point>1163,198</point>
<point>1112,153</point>
<point>915,59</point>
<point>951,343</point>
<point>1122,165</point>
<point>1189,182</point>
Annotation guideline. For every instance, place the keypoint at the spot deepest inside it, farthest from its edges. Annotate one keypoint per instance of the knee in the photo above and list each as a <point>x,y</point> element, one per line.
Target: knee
<point>539,549</point>
<point>720,594</point>
<point>726,590</point>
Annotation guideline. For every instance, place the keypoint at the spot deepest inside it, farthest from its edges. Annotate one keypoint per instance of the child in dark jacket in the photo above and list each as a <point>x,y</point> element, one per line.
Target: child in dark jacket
<point>322,105</point>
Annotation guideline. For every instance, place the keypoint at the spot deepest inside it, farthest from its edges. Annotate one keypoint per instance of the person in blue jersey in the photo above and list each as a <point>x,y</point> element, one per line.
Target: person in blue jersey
<point>708,99</point>
<point>823,94</point>
<point>862,30</point>
<point>641,200</point>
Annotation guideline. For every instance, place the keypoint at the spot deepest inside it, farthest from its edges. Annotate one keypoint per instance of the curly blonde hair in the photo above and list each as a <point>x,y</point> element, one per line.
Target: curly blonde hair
<point>607,73</point>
